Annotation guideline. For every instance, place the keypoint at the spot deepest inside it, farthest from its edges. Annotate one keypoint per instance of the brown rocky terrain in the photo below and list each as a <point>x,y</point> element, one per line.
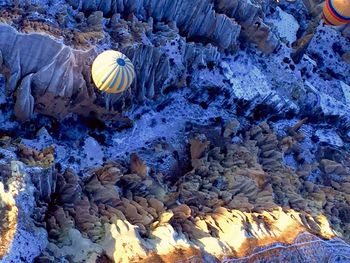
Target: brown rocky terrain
<point>236,198</point>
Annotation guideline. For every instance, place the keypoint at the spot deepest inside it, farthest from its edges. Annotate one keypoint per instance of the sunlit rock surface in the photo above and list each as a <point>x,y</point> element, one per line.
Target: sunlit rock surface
<point>239,200</point>
<point>21,240</point>
<point>8,220</point>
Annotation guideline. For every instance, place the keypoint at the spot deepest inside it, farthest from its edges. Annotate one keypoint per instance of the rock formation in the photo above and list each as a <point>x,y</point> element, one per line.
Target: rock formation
<point>237,189</point>
<point>9,213</point>
<point>16,204</point>
<point>55,79</point>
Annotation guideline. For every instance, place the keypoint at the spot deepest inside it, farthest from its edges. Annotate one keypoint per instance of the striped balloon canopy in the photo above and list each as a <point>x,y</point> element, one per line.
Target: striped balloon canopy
<point>336,12</point>
<point>112,72</point>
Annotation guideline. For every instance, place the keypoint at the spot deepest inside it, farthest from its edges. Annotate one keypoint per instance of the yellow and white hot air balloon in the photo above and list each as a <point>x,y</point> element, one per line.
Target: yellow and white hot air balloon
<point>112,71</point>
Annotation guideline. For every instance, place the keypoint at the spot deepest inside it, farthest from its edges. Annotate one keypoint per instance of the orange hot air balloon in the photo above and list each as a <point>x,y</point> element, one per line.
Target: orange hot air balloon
<point>336,12</point>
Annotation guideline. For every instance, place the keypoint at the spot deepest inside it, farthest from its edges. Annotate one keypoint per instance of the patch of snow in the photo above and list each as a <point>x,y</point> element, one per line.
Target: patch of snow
<point>173,49</point>
<point>43,135</point>
<point>61,152</point>
<point>329,136</point>
<point>329,105</point>
<point>346,90</point>
<point>246,79</point>
<point>326,48</point>
<point>92,152</point>
<point>42,141</point>
<point>265,79</point>
<point>7,156</point>
<point>166,125</point>
<point>310,60</point>
<point>286,25</point>
<point>27,244</point>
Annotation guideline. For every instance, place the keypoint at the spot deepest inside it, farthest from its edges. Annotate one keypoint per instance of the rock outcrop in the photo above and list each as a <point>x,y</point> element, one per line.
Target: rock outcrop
<point>42,72</point>
<point>164,40</point>
<point>8,219</point>
<point>17,230</point>
<point>236,189</point>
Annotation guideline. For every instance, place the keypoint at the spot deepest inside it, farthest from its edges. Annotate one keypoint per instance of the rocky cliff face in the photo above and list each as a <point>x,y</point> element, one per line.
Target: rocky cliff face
<point>164,40</point>
<point>42,71</point>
